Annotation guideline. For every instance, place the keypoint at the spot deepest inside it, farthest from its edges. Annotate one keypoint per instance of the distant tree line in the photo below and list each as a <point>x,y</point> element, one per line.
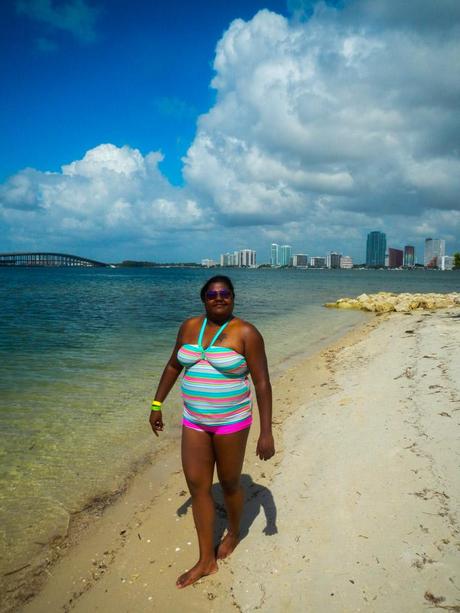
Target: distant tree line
<point>142,264</point>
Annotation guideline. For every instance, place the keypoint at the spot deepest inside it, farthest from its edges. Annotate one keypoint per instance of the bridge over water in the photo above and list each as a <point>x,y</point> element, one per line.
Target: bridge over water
<point>46,259</point>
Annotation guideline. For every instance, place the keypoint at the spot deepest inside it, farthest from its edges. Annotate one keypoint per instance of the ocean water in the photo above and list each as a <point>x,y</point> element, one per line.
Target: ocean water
<point>81,351</point>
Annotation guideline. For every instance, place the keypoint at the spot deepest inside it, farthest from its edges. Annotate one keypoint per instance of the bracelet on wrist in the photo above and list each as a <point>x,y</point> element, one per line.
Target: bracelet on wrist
<point>156,405</point>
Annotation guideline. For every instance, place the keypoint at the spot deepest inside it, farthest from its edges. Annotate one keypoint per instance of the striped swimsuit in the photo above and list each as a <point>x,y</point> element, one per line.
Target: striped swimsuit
<point>215,387</point>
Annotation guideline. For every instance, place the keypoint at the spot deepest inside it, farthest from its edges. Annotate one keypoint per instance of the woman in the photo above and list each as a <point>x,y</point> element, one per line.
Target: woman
<point>218,351</point>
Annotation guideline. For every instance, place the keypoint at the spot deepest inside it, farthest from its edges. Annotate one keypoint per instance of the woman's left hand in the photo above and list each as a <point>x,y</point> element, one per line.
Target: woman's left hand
<point>265,446</point>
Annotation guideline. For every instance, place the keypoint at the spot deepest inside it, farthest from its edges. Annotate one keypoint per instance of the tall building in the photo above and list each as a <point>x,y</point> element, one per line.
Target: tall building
<point>446,262</point>
<point>333,260</point>
<point>300,260</point>
<point>434,248</point>
<point>395,258</point>
<point>285,255</point>
<point>318,262</point>
<point>247,258</point>
<point>346,262</point>
<point>409,256</point>
<point>208,263</point>
<point>229,259</point>
<point>274,254</point>
<point>375,250</point>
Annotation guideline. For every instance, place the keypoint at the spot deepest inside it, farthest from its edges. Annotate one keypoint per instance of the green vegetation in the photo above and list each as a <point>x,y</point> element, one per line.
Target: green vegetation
<point>141,264</point>
<point>457,261</point>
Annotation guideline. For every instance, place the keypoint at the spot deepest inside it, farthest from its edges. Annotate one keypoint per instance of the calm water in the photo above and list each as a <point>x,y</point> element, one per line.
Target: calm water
<point>82,350</point>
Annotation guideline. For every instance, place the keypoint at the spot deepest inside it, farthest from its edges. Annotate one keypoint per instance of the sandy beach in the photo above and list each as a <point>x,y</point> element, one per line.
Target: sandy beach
<point>358,511</point>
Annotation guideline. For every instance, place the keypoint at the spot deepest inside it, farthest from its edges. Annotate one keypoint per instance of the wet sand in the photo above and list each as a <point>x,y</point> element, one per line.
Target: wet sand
<point>357,511</point>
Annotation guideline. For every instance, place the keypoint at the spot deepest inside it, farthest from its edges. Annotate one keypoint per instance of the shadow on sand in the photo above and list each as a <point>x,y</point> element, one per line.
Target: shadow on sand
<point>256,497</point>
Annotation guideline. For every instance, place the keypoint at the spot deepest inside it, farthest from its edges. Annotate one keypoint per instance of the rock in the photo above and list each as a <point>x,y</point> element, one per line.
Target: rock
<point>385,302</point>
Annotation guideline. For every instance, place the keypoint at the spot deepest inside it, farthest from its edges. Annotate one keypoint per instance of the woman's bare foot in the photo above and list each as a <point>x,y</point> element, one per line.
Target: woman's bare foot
<point>194,574</point>
<point>227,545</point>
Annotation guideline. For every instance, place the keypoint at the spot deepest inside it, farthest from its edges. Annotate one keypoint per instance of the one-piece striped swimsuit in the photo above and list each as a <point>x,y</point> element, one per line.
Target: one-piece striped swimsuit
<point>215,387</point>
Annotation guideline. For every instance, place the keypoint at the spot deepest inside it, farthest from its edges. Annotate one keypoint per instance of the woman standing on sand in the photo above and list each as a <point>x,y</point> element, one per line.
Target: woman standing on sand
<point>218,350</point>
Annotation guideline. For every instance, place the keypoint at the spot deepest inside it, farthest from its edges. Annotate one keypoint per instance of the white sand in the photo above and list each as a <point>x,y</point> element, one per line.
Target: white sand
<point>365,490</point>
<point>368,489</point>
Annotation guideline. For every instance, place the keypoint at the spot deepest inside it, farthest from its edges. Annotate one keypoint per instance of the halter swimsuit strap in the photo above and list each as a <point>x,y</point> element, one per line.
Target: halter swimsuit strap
<point>216,336</point>
<point>203,327</point>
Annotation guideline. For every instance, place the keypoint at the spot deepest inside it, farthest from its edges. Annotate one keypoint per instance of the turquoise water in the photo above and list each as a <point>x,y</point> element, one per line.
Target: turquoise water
<point>82,349</point>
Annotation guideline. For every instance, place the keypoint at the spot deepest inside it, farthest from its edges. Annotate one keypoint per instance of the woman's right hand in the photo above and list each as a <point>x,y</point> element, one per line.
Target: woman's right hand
<point>156,421</point>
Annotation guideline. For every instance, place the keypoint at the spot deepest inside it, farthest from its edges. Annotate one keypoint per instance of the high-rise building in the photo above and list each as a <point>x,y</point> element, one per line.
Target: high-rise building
<point>446,262</point>
<point>285,255</point>
<point>208,263</point>
<point>434,248</point>
<point>375,249</point>
<point>409,256</point>
<point>346,262</point>
<point>395,258</point>
<point>229,259</point>
<point>247,258</point>
<point>274,254</point>
<point>333,260</point>
<point>318,262</point>
<point>300,260</point>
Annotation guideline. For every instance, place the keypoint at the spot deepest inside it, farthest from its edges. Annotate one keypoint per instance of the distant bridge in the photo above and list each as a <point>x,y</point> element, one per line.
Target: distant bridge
<point>46,259</point>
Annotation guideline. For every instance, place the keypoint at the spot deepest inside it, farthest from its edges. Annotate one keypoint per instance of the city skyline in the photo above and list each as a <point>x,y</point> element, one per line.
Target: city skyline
<point>378,253</point>
<point>191,127</point>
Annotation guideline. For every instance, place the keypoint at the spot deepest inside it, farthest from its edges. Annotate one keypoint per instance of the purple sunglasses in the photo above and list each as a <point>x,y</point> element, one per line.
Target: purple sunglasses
<point>212,294</point>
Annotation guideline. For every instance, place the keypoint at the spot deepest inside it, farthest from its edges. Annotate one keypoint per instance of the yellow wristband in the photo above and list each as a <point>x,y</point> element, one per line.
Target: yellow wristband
<point>156,405</point>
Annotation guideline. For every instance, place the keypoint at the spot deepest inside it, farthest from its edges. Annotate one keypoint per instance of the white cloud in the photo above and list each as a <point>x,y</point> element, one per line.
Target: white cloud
<point>322,130</point>
<point>110,159</point>
<point>354,108</point>
<point>112,194</point>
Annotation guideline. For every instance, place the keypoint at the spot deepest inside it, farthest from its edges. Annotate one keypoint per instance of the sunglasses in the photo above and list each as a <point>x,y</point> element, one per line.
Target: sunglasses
<point>212,294</point>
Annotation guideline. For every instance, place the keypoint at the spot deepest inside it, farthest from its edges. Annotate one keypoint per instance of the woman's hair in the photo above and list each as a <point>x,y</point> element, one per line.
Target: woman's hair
<point>217,279</point>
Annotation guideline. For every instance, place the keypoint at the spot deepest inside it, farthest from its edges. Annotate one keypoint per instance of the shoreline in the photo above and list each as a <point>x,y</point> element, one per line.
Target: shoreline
<point>88,385</point>
<point>132,554</point>
<point>26,582</point>
<point>370,516</point>
<point>28,571</point>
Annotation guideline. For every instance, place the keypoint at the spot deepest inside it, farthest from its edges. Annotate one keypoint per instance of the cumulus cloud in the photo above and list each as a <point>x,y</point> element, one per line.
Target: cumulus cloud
<point>346,106</point>
<point>323,128</point>
<point>112,194</point>
<point>412,15</point>
<point>74,16</point>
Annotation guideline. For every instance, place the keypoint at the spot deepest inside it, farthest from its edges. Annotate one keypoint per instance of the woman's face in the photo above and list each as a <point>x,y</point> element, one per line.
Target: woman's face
<point>218,300</point>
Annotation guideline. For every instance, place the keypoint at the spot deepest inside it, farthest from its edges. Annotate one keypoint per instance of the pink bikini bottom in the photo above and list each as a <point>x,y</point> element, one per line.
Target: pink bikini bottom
<point>228,429</point>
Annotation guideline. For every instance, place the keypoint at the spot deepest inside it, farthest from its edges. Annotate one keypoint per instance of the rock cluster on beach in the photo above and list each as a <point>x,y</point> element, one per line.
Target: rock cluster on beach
<point>384,302</point>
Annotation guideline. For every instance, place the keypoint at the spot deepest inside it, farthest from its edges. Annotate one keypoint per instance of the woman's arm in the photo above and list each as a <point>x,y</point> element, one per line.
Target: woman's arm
<point>169,376</point>
<point>254,352</point>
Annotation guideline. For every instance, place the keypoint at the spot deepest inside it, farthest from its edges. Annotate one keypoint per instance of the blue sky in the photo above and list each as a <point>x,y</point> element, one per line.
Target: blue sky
<point>134,73</point>
<point>179,130</point>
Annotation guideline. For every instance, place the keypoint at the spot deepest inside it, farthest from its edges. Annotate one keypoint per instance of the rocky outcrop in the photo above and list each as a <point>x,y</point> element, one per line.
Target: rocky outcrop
<point>384,302</point>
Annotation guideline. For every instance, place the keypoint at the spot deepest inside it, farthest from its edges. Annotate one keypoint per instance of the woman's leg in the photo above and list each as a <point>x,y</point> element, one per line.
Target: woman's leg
<point>229,452</point>
<point>198,462</point>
